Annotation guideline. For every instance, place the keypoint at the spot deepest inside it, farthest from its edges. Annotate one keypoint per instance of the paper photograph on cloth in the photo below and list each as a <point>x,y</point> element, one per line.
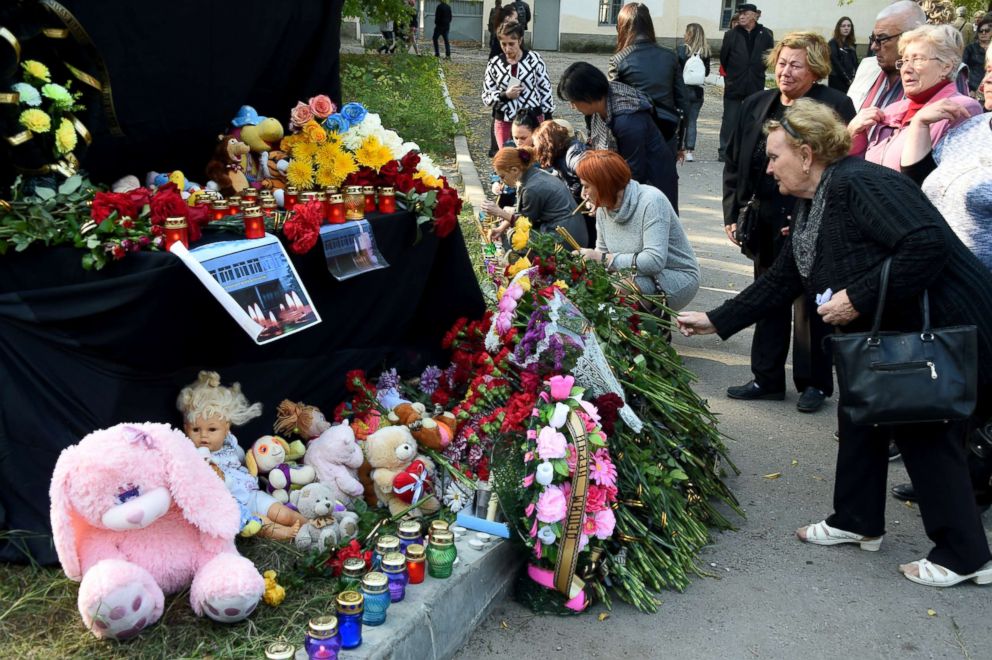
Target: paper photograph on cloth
<point>256,283</point>
<point>350,249</point>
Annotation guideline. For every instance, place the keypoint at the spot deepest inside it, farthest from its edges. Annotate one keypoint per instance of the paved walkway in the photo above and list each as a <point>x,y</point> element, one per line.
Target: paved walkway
<point>774,597</point>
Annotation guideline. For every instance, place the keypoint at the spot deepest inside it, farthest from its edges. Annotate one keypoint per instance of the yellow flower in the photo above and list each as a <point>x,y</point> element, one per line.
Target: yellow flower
<point>304,150</point>
<point>342,165</point>
<point>560,284</point>
<point>300,173</point>
<point>373,153</point>
<point>37,70</point>
<point>325,177</point>
<point>36,121</point>
<point>315,131</point>
<point>65,137</point>
<point>428,179</point>
<point>521,234</point>
<point>523,263</point>
<point>326,154</point>
<point>499,292</point>
<point>524,283</point>
<point>288,142</point>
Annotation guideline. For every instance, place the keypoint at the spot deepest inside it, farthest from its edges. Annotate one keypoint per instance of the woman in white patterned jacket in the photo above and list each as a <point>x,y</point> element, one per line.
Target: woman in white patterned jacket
<point>516,81</point>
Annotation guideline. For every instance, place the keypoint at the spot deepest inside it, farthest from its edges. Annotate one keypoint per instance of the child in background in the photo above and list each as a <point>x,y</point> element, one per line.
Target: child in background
<point>208,411</point>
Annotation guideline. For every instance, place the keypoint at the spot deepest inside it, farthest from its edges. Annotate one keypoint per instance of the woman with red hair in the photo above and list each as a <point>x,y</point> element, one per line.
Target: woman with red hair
<point>541,196</point>
<point>636,227</point>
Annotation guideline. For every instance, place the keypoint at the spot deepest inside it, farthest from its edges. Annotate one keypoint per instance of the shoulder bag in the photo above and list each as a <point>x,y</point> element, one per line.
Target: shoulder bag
<point>907,377</point>
<point>747,227</point>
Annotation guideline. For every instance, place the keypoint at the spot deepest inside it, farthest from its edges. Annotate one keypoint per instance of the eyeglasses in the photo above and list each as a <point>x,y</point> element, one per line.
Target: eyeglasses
<point>915,61</point>
<point>881,40</point>
<point>984,31</point>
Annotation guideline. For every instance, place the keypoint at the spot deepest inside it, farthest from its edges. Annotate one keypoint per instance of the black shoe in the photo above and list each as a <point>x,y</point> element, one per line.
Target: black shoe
<point>720,158</point>
<point>811,400</point>
<point>837,435</point>
<point>752,391</point>
<point>893,451</point>
<point>905,493</point>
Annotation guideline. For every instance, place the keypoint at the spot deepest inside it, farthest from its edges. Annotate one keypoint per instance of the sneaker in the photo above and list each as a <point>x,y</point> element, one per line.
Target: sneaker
<point>894,453</point>
<point>751,391</point>
<point>810,400</point>
<point>688,157</point>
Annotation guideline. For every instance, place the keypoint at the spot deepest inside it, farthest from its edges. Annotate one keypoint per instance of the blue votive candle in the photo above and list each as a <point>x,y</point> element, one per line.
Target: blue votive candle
<point>384,545</point>
<point>375,588</point>
<point>351,604</point>
<point>322,640</point>
<point>394,566</point>
<point>409,533</point>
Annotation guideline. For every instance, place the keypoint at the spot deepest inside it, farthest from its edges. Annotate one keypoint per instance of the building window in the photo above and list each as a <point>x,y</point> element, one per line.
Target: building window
<point>608,10</point>
<point>729,7</point>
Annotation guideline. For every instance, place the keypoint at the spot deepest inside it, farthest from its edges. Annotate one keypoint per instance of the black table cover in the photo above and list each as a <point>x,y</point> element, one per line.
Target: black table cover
<point>85,350</point>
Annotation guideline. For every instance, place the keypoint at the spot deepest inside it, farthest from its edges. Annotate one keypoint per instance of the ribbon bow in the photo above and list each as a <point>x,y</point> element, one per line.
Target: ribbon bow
<point>135,436</point>
<point>409,484</point>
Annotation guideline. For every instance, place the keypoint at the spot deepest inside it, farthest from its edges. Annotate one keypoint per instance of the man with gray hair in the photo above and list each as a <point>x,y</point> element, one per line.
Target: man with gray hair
<point>964,26</point>
<point>877,82</point>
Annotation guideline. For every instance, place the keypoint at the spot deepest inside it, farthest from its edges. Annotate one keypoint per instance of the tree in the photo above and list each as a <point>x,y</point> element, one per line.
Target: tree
<point>377,11</point>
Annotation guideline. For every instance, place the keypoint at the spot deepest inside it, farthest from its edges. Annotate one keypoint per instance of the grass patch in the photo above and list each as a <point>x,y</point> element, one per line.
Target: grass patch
<point>39,617</point>
<point>405,90</point>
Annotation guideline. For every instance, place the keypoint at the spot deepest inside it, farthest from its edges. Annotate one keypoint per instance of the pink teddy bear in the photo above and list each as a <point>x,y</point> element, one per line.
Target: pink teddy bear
<point>136,513</point>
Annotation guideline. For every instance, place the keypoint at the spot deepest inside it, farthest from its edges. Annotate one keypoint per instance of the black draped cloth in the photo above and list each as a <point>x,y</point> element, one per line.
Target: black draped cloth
<point>85,350</point>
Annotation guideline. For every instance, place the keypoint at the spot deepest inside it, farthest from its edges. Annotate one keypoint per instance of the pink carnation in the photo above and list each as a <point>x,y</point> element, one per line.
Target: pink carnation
<point>571,458</point>
<point>550,444</point>
<point>601,469</point>
<point>605,521</point>
<point>551,505</point>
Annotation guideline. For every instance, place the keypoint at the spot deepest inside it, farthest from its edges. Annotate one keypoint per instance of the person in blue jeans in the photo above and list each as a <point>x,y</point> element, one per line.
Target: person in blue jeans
<point>694,43</point>
<point>442,23</point>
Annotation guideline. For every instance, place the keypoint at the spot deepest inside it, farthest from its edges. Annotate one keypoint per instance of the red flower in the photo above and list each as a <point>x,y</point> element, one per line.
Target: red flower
<point>595,499</point>
<point>105,203</point>
<point>303,226</point>
<point>365,176</point>
<point>518,409</point>
<point>336,561</point>
<point>355,381</point>
<point>410,161</point>
<point>388,172</point>
<point>609,406</point>
<point>168,203</point>
<point>441,397</point>
<point>198,218</point>
<point>531,382</point>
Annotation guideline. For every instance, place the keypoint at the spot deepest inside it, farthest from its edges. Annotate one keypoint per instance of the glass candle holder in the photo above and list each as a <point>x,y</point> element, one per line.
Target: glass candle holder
<point>383,546</point>
<point>409,532</point>
<point>354,203</point>
<point>254,222</point>
<point>441,554</point>
<point>351,605</point>
<point>204,201</point>
<point>416,565</point>
<point>279,651</point>
<point>233,205</point>
<point>218,208</point>
<point>387,200</point>
<point>176,231</point>
<point>394,566</point>
<point>324,205</point>
<point>249,196</point>
<point>322,639</point>
<point>352,572</point>
<point>375,589</point>
<point>291,195</point>
<point>369,193</point>
<point>307,197</point>
<point>438,525</point>
<point>269,207</point>
<point>337,214</point>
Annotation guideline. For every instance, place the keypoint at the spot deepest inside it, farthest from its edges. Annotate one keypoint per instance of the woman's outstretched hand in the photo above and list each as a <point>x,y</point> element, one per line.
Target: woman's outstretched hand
<point>694,323</point>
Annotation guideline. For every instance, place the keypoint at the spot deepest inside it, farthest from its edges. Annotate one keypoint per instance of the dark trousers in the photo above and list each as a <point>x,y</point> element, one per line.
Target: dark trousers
<point>691,117</point>
<point>934,456</point>
<point>811,366</point>
<point>441,32</point>
<point>731,111</point>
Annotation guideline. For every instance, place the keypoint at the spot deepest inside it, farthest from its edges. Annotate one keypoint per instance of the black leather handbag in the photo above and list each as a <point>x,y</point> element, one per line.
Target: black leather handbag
<point>747,227</point>
<point>905,377</point>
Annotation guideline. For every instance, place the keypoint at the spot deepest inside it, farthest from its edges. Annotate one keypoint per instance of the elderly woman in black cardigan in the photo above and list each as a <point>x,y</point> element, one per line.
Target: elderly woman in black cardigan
<point>852,215</point>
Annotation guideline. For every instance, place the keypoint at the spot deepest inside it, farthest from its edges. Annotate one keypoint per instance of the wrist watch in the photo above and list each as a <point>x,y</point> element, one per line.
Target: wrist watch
<point>602,257</point>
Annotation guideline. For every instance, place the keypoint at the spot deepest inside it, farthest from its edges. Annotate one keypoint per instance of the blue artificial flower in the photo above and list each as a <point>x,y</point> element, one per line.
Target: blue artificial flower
<point>354,113</point>
<point>29,95</point>
<point>337,123</point>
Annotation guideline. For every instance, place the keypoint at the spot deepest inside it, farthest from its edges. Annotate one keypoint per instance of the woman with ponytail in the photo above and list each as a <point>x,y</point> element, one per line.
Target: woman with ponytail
<point>541,196</point>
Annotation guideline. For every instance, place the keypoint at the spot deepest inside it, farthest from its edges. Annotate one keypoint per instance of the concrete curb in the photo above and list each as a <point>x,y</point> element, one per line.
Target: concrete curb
<point>475,193</point>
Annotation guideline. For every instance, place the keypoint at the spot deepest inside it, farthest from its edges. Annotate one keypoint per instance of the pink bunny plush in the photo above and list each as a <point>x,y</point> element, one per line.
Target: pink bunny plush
<point>137,514</point>
<point>336,457</point>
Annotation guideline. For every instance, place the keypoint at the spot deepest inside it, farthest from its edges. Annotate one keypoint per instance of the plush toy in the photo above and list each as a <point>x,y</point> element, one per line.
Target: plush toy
<point>432,432</point>
<point>136,513</point>
<point>275,593</point>
<point>333,451</point>
<point>329,522</point>
<point>267,458</point>
<point>225,168</point>
<point>401,475</point>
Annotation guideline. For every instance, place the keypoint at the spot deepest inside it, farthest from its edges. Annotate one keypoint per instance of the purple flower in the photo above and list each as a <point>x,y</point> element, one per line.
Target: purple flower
<point>430,379</point>
<point>388,380</point>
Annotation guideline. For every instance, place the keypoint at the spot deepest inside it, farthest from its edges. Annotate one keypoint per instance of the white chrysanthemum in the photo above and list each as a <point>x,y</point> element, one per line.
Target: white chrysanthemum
<point>394,143</point>
<point>455,497</point>
<point>427,165</point>
<point>410,146</point>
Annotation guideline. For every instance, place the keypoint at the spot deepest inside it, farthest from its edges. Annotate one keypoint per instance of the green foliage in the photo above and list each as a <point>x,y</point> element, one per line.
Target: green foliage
<point>376,11</point>
<point>405,90</point>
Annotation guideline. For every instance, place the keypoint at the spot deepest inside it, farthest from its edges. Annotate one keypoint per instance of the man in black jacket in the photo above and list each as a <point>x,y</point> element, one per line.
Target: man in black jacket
<point>743,58</point>
<point>442,23</point>
<point>523,13</point>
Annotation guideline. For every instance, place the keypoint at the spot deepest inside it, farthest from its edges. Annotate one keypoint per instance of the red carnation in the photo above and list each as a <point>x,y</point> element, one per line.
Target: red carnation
<point>410,161</point>
<point>303,226</point>
<point>609,406</point>
<point>168,203</point>
<point>105,203</point>
<point>355,381</point>
<point>198,218</point>
<point>441,397</point>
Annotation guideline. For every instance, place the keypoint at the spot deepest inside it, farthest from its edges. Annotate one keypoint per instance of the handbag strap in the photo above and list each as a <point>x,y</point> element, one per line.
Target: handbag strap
<point>883,287</point>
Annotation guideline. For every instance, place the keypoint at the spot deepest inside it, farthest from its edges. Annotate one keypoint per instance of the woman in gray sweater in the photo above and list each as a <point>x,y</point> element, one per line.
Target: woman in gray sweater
<point>635,224</point>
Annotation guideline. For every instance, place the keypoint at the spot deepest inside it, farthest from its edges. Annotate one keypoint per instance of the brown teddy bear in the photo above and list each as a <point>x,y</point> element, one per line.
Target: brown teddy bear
<point>431,431</point>
<point>402,476</point>
<point>226,168</point>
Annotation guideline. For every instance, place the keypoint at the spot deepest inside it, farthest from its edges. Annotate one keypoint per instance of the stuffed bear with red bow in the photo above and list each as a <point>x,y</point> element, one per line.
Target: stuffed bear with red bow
<point>402,476</point>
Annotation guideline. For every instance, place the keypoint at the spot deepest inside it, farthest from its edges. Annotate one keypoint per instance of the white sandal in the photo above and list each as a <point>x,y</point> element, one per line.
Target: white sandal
<point>823,534</point>
<point>935,575</point>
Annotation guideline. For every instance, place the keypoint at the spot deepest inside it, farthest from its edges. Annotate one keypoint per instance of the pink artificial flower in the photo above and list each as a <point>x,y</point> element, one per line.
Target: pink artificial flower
<point>301,114</point>
<point>571,458</point>
<point>514,291</point>
<point>322,106</point>
<point>537,549</point>
<point>507,304</point>
<point>601,469</point>
<point>551,444</point>
<point>528,481</point>
<point>583,542</point>
<point>531,434</point>
<point>561,387</point>
<point>595,498</point>
<point>605,521</point>
<point>504,321</point>
<point>529,511</point>
<point>588,525</point>
<point>528,457</point>
<point>551,505</point>
<point>590,410</point>
<point>533,530</point>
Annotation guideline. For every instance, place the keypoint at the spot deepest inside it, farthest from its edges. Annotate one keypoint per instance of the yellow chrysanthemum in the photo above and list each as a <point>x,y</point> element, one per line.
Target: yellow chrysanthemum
<point>521,233</point>
<point>327,153</point>
<point>315,131</point>
<point>373,153</point>
<point>37,70</point>
<point>428,180</point>
<point>65,137</point>
<point>339,169</point>
<point>523,263</point>
<point>300,173</point>
<point>288,142</point>
<point>304,150</point>
<point>36,121</point>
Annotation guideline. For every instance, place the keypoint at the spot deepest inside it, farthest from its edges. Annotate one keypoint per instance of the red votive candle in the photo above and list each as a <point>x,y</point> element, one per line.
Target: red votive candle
<point>254,222</point>
<point>233,205</point>
<point>387,200</point>
<point>219,209</point>
<point>269,207</point>
<point>336,215</point>
<point>325,206</point>
<point>369,192</point>
<point>176,231</point>
<point>250,196</point>
<point>291,194</point>
<point>415,562</point>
